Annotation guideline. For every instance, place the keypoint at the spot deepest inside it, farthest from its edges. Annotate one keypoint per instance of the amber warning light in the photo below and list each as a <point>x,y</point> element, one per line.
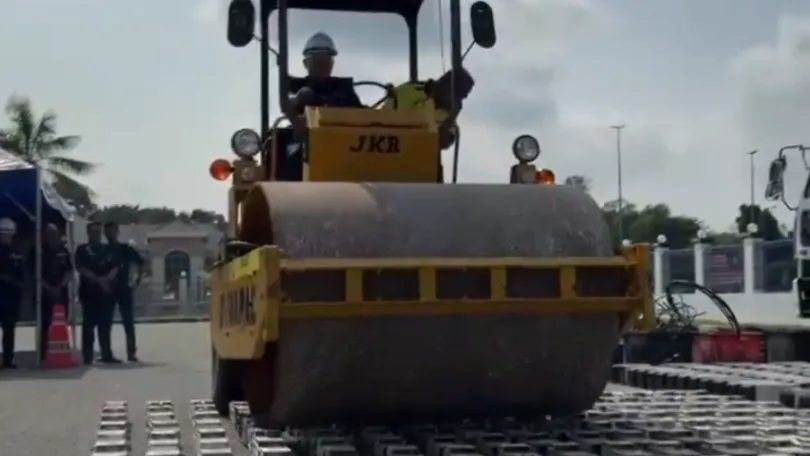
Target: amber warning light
<point>220,169</point>
<point>545,176</point>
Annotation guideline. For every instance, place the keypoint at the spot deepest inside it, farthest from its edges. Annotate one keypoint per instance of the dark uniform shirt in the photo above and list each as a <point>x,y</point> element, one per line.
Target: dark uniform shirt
<point>56,263</point>
<point>123,257</point>
<point>97,259</point>
<point>12,266</point>
<point>332,93</point>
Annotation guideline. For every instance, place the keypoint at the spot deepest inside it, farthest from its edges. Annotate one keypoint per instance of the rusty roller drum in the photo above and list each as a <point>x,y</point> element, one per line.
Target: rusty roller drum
<point>432,367</point>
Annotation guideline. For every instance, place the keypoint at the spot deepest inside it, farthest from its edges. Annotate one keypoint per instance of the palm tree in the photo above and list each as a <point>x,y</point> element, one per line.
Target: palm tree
<point>35,140</point>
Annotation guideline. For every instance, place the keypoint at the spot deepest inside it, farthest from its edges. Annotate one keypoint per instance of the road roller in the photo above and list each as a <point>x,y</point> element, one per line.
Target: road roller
<point>361,283</point>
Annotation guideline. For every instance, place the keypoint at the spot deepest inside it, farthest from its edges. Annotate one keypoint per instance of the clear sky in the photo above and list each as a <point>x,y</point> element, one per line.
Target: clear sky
<point>155,91</point>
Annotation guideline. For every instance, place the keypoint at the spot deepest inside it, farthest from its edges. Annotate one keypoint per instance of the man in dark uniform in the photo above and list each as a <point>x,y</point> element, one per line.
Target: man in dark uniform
<point>12,277</point>
<point>57,269</point>
<point>96,275</point>
<point>123,257</point>
<point>321,89</point>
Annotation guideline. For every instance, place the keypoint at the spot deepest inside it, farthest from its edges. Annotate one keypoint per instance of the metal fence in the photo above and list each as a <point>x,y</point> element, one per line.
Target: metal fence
<point>151,302</point>
<point>680,265</point>
<point>157,301</point>
<point>774,266</point>
<point>724,268</point>
<point>778,265</point>
<point>775,269</point>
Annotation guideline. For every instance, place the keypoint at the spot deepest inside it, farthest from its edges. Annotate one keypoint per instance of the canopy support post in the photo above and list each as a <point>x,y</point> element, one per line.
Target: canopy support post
<point>38,261</point>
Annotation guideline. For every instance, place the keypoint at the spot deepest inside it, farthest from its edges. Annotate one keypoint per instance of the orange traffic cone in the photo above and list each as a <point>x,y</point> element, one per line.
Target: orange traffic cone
<point>60,355</point>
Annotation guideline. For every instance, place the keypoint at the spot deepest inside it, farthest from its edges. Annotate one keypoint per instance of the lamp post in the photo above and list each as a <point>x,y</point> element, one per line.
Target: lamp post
<point>751,211</point>
<point>620,215</point>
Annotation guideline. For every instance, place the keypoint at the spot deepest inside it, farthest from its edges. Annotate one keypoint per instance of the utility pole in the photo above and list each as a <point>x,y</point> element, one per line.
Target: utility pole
<point>620,215</point>
<point>751,212</point>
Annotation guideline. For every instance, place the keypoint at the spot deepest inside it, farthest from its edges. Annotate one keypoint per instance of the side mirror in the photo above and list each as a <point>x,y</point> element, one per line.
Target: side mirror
<point>241,22</point>
<point>776,180</point>
<point>482,22</point>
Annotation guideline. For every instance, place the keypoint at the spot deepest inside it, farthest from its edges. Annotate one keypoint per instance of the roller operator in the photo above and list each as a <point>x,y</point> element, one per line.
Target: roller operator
<point>321,88</point>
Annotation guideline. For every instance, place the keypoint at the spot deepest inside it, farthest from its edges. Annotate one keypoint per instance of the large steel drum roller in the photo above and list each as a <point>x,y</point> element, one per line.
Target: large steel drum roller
<point>385,368</point>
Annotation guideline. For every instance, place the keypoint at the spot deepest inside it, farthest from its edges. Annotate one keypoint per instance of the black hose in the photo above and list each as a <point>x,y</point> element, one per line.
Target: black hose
<point>676,327</point>
<point>721,304</point>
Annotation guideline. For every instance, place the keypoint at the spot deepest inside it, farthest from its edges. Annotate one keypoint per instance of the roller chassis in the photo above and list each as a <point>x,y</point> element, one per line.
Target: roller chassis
<point>242,368</point>
<point>225,383</point>
<point>379,294</point>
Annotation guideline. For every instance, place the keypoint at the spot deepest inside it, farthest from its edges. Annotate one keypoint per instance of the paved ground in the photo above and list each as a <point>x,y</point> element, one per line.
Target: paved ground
<point>56,413</point>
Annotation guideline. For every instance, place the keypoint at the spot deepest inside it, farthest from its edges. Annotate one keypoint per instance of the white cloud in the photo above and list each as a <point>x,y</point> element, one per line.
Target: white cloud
<point>775,82</point>
<point>695,160</point>
<point>562,69</point>
<point>512,94</point>
<point>210,11</point>
<point>774,110</point>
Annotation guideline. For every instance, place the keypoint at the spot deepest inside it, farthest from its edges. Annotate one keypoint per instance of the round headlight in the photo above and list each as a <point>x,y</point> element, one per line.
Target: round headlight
<point>526,148</point>
<point>246,143</point>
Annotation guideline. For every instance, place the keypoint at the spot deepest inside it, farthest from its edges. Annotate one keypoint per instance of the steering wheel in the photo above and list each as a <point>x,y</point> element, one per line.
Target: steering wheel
<point>388,88</point>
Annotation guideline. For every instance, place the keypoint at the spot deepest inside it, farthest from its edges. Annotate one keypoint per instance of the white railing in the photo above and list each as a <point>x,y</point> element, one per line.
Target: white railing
<point>754,277</point>
<point>153,302</point>
<point>185,300</point>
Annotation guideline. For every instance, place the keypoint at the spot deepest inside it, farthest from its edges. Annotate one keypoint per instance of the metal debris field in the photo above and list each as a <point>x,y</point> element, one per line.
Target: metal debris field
<point>160,407</point>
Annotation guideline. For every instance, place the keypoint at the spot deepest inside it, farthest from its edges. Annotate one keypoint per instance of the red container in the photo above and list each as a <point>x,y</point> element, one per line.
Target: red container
<point>727,347</point>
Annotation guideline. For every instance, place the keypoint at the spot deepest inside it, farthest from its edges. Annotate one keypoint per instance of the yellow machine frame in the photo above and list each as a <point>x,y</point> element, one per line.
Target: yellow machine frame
<point>249,302</point>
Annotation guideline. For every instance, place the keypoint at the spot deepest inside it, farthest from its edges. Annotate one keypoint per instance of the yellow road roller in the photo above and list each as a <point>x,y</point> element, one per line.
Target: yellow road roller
<point>357,286</point>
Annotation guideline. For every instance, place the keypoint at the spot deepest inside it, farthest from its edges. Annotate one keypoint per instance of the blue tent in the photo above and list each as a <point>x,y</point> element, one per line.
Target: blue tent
<point>18,193</point>
<point>18,200</point>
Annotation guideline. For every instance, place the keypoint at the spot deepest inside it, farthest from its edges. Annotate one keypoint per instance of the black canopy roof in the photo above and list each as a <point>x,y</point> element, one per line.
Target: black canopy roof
<point>406,8</point>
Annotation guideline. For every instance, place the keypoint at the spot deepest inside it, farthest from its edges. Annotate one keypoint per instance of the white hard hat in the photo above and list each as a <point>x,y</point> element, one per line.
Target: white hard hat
<point>320,43</point>
<point>7,226</point>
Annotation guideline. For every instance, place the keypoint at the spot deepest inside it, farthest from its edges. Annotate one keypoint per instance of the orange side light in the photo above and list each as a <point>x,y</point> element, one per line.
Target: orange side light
<point>545,176</point>
<point>220,169</point>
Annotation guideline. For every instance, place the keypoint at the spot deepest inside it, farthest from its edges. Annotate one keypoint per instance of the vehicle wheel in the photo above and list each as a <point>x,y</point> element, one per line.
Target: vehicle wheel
<point>225,383</point>
<point>258,381</point>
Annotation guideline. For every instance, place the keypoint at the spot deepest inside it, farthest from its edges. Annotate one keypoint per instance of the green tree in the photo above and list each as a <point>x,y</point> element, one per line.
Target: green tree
<point>35,140</point>
<point>579,181</point>
<point>78,196</point>
<point>610,210</point>
<point>724,237</point>
<point>126,214</point>
<point>644,225</point>
<point>767,225</point>
<point>123,214</point>
<point>204,216</point>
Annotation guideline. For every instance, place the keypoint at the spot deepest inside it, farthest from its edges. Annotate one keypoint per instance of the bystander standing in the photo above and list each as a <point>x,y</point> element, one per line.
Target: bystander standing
<point>12,278</point>
<point>96,275</point>
<point>57,269</point>
<point>123,257</point>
